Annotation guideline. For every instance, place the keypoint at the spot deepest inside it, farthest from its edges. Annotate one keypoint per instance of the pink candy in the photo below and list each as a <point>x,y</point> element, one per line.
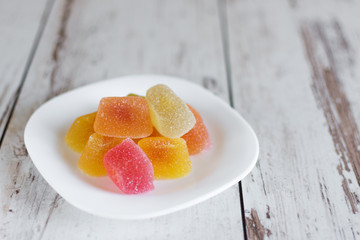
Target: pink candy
<point>129,168</point>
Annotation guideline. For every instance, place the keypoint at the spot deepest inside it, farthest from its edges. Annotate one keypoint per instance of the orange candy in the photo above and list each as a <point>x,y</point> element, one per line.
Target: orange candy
<point>123,117</point>
<point>91,159</point>
<point>169,156</point>
<point>80,131</point>
<point>197,139</point>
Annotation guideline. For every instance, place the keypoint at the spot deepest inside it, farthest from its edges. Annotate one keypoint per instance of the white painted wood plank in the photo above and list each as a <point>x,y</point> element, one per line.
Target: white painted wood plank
<point>296,190</point>
<point>19,22</point>
<point>342,26</point>
<point>87,41</point>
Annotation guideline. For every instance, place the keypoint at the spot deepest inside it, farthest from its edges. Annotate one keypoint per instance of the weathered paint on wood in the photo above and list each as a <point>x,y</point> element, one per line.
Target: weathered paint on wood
<point>334,102</point>
<point>290,63</point>
<point>84,42</point>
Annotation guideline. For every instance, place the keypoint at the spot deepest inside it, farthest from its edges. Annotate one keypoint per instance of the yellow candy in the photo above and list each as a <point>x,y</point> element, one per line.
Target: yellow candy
<point>169,114</point>
<point>169,156</point>
<point>80,131</point>
<point>91,160</point>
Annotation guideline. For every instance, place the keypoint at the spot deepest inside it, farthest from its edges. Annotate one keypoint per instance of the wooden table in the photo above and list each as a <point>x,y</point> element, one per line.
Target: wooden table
<point>291,68</point>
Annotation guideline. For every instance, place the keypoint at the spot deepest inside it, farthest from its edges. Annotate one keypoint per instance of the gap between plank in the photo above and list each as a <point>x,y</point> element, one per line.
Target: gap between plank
<point>225,43</point>
<point>44,18</point>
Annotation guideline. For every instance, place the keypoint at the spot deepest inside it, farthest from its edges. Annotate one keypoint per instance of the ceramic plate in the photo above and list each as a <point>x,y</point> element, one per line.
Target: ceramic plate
<point>233,154</point>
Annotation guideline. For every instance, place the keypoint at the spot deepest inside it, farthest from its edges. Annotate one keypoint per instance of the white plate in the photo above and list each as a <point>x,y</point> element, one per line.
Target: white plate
<point>233,154</point>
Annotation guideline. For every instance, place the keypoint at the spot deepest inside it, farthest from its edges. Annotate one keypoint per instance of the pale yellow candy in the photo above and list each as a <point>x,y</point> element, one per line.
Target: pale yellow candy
<point>169,114</point>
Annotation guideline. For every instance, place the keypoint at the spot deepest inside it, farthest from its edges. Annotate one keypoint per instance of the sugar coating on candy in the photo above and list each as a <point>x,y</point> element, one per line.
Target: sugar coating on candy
<point>91,159</point>
<point>197,139</point>
<point>123,117</point>
<point>129,168</point>
<point>155,133</point>
<point>169,156</point>
<point>169,114</point>
<point>80,131</point>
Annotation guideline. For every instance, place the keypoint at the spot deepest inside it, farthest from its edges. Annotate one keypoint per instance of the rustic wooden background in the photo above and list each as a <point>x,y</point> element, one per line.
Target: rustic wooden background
<point>291,68</point>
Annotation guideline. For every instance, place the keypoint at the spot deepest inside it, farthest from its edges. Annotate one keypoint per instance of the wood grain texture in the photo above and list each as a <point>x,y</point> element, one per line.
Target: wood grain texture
<point>334,102</point>
<point>84,42</point>
<point>292,68</point>
<point>18,29</point>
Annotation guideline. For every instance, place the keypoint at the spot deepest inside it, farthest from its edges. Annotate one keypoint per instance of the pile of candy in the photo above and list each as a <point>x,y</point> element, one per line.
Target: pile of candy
<point>135,139</point>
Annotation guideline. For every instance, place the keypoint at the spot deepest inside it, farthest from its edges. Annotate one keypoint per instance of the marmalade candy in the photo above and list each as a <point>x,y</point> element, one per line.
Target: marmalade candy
<point>123,117</point>
<point>197,139</point>
<point>129,168</point>
<point>91,159</point>
<point>80,131</point>
<point>169,156</point>
<point>169,114</point>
